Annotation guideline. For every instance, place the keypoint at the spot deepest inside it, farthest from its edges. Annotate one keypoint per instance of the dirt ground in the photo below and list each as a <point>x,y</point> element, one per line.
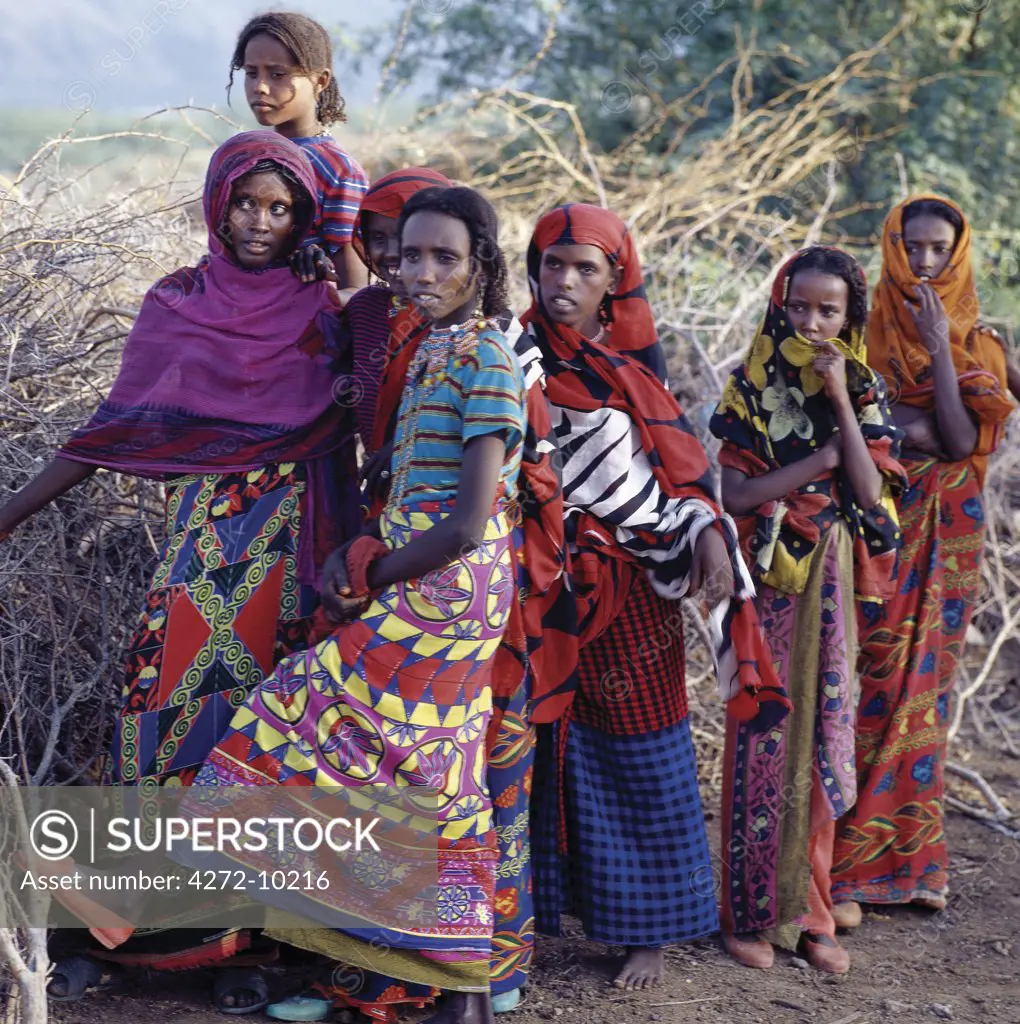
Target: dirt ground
<point>908,965</point>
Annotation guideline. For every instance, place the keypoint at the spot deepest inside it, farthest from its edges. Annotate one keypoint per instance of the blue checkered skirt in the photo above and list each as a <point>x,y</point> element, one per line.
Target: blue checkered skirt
<point>638,871</point>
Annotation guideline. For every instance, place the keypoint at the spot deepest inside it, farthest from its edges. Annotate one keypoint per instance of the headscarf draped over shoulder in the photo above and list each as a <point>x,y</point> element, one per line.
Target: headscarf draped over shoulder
<point>637,484</point>
<point>897,352</point>
<point>227,369</point>
<point>224,367</point>
<point>774,412</point>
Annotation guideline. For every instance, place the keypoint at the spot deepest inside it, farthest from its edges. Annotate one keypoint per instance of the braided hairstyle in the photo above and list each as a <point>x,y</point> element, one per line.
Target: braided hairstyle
<point>309,45</point>
<point>478,216</point>
<point>934,208</point>
<point>827,260</point>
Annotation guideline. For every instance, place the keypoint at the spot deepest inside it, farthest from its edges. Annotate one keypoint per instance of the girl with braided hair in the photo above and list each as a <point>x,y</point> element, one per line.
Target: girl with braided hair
<point>287,60</point>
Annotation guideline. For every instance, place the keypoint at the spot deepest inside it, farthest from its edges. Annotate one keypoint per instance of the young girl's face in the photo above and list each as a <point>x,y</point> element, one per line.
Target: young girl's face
<point>817,304</point>
<point>929,242</point>
<point>573,280</point>
<point>436,267</point>
<point>261,220</point>
<point>382,245</point>
<point>278,92</point>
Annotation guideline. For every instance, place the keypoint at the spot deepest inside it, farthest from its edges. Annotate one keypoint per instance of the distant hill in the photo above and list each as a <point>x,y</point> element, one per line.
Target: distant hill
<point>140,54</point>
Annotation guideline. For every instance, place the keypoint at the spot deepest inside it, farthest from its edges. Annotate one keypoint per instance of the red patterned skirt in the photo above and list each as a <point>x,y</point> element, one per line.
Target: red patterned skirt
<point>891,847</point>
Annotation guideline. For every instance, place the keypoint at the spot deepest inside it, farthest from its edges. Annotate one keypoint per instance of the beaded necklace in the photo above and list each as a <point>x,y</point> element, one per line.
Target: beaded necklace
<point>429,368</point>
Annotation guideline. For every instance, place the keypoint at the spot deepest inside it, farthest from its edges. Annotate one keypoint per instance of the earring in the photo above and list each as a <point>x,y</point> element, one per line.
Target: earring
<point>605,313</point>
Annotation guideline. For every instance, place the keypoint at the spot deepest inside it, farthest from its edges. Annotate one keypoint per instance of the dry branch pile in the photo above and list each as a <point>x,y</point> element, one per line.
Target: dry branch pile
<point>710,223</point>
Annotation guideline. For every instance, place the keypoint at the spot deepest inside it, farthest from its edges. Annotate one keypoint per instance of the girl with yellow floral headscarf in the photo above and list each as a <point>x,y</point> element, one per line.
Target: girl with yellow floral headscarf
<point>809,461</point>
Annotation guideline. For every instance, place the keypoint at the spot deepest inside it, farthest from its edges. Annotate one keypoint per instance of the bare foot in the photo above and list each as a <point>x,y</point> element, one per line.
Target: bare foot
<point>642,969</point>
<point>464,1008</point>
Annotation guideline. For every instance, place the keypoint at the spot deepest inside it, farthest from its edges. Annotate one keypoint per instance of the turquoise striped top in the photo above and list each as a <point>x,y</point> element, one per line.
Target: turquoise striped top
<point>481,392</point>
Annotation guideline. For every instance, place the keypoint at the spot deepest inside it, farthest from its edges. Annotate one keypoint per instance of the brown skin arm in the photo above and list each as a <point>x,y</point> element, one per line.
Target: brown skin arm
<point>861,470</point>
<point>742,494</point>
<point>922,434</point>
<point>1013,378</point>
<point>462,530</point>
<point>957,430</point>
<point>865,479</point>
<point>56,479</point>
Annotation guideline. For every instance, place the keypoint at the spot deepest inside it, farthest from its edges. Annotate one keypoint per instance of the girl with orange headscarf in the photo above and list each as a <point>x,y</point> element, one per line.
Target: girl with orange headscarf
<point>947,377</point>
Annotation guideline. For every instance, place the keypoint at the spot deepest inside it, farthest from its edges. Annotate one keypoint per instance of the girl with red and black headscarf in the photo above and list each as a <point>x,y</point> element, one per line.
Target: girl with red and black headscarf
<point>617,814</point>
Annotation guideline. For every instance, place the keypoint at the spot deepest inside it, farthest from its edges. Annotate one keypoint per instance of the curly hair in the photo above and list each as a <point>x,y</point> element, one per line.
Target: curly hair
<point>309,45</point>
<point>477,215</point>
<point>934,208</point>
<point>827,260</point>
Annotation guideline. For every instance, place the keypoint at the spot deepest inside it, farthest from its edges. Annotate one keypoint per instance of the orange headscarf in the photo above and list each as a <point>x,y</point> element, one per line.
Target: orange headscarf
<point>897,352</point>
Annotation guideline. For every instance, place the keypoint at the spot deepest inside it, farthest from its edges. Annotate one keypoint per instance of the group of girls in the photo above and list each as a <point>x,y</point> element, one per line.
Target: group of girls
<point>503,626</point>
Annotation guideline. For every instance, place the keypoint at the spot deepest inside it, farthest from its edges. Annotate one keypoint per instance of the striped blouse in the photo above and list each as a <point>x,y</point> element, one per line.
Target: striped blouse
<point>482,392</point>
<point>342,186</point>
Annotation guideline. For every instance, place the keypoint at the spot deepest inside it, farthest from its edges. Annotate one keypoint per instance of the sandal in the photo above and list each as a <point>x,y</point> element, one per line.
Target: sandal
<point>825,953</point>
<point>750,950</point>
<point>847,915</point>
<point>504,1002</point>
<point>75,976</point>
<point>300,1008</point>
<point>235,979</point>
<point>936,903</point>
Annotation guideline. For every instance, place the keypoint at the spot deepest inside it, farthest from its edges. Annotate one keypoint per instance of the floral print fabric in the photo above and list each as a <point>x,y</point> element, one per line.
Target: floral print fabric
<point>774,412</point>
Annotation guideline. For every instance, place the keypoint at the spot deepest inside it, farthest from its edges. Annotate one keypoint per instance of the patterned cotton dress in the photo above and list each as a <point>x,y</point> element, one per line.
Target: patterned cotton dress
<point>401,695</point>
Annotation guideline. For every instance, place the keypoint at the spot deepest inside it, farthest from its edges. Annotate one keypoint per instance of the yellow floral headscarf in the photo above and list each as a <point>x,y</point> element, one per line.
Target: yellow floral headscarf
<point>774,412</point>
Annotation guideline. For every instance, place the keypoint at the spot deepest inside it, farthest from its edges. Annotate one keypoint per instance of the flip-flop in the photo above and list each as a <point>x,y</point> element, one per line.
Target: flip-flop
<point>300,1008</point>
<point>504,1002</point>
<point>80,973</point>
<point>234,979</point>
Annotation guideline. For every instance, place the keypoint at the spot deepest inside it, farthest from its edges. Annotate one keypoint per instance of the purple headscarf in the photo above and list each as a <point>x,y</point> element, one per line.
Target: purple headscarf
<point>228,369</point>
<point>225,368</point>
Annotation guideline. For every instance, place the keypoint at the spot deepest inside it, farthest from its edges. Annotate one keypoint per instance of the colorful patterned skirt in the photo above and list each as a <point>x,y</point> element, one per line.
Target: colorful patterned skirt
<point>788,783</point>
<point>619,831</point>
<point>223,607</point>
<point>510,744</point>
<point>891,848</point>
<point>511,747</point>
<point>401,697</point>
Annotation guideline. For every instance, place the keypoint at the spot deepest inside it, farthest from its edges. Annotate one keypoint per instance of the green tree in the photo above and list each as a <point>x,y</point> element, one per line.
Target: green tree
<point>940,104</point>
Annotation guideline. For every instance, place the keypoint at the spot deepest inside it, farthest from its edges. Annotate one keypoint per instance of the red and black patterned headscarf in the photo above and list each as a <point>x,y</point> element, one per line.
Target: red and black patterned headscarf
<point>622,371</point>
<point>387,197</point>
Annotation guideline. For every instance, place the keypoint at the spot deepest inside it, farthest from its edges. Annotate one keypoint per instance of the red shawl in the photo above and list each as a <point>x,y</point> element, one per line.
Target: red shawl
<point>586,376</point>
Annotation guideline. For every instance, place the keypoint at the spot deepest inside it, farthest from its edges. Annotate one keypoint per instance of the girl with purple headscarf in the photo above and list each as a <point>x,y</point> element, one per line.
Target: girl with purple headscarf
<point>225,393</point>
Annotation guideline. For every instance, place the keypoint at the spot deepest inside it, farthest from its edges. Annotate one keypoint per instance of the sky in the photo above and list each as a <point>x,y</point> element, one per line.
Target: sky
<point>138,55</point>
